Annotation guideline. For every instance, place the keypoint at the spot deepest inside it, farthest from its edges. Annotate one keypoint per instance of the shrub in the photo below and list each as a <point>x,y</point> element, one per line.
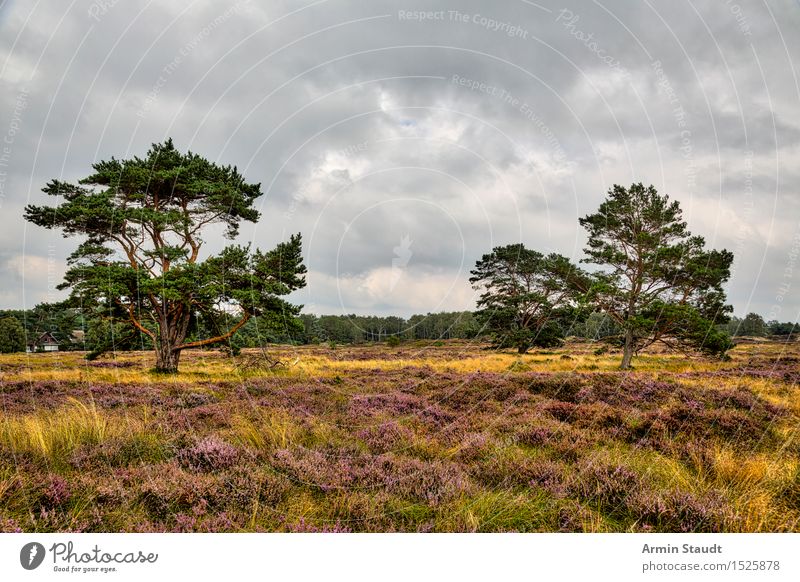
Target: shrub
<point>473,447</point>
<point>134,449</point>
<point>209,454</point>
<point>679,511</point>
<point>433,482</point>
<point>303,527</point>
<point>575,518</point>
<point>429,481</point>
<point>56,492</point>
<point>241,488</point>
<point>9,525</point>
<point>535,436</point>
<point>563,411</point>
<point>386,436</point>
<point>604,484</point>
<point>164,490</point>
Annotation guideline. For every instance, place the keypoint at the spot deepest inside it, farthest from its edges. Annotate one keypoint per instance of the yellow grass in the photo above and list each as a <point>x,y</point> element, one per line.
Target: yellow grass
<point>311,361</point>
<point>754,482</point>
<point>55,434</point>
<point>272,430</point>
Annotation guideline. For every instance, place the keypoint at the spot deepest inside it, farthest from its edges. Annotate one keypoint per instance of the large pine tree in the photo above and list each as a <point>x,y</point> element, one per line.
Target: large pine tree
<point>142,221</point>
<point>658,283</point>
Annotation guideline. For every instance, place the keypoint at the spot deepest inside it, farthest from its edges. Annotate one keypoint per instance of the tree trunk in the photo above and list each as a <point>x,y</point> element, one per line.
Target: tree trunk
<point>172,332</point>
<point>167,359</point>
<point>522,349</point>
<point>627,350</point>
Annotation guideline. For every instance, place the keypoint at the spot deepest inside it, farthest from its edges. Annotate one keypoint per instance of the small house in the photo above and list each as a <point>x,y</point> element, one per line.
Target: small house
<point>78,337</point>
<point>45,342</point>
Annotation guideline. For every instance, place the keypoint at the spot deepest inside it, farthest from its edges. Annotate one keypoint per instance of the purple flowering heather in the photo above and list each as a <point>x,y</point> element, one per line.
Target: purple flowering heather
<point>209,454</point>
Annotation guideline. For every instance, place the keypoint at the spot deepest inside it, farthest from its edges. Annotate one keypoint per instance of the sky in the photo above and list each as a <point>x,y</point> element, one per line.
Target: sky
<point>406,139</point>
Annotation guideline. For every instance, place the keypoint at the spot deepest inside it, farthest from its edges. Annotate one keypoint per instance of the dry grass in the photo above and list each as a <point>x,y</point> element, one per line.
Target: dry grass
<point>54,434</point>
<point>314,361</point>
<point>422,437</point>
<point>273,430</point>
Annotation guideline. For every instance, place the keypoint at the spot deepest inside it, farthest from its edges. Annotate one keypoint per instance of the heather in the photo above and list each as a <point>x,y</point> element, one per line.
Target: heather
<point>420,437</point>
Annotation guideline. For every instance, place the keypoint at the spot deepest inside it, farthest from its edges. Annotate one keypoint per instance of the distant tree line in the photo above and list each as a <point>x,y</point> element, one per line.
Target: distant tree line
<point>359,329</point>
<point>97,334</point>
<point>753,325</point>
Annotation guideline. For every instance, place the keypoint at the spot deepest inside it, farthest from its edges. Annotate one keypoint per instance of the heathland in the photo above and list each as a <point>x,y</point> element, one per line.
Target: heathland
<point>444,436</point>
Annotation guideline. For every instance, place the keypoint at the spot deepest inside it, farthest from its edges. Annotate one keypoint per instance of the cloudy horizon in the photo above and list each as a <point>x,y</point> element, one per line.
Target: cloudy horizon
<point>406,139</point>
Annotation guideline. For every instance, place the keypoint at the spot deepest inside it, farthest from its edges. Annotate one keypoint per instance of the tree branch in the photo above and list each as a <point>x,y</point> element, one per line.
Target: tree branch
<point>219,338</point>
<point>137,324</point>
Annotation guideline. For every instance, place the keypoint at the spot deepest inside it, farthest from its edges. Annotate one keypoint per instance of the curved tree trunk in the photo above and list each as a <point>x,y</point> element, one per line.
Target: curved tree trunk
<point>627,350</point>
<point>170,342</point>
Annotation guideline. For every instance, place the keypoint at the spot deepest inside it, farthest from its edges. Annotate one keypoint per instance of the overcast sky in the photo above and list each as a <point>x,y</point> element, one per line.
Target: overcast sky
<point>405,145</point>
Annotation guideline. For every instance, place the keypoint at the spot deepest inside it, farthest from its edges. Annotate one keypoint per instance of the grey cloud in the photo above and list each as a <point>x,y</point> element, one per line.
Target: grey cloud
<point>569,116</point>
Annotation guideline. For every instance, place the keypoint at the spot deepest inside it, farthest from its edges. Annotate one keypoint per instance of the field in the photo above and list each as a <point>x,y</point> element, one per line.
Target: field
<point>422,437</point>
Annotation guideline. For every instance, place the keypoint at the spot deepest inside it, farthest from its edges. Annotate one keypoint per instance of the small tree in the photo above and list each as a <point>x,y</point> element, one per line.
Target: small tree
<point>661,285</point>
<point>143,221</point>
<point>527,298</point>
<point>12,336</point>
<point>752,325</point>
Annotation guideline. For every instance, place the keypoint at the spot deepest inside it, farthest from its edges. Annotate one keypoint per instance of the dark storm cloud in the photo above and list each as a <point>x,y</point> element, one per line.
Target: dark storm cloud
<point>404,147</point>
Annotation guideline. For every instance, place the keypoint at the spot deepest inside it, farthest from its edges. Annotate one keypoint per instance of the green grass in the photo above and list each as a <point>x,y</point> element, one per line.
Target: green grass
<point>366,439</point>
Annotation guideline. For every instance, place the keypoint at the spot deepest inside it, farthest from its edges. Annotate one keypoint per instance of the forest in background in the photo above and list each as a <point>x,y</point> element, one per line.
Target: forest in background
<point>17,327</point>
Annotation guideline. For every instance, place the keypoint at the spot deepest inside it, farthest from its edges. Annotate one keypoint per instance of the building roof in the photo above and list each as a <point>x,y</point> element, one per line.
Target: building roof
<point>47,338</point>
